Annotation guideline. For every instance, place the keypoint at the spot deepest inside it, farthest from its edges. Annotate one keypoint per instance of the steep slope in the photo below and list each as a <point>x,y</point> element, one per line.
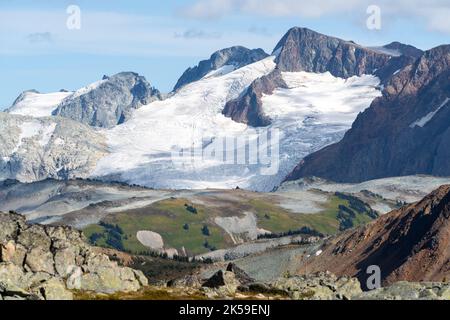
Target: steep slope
<point>247,107</point>
<point>108,102</point>
<point>37,148</point>
<point>404,132</point>
<point>35,104</point>
<point>410,244</point>
<point>224,60</point>
<point>305,50</point>
<point>302,49</point>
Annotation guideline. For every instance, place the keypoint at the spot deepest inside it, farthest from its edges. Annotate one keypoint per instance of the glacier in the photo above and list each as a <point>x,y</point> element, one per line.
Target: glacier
<point>316,110</point>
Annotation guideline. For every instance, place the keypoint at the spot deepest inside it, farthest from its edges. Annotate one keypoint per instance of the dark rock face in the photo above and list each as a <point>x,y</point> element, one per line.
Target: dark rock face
<point>392,67</point>
<point>236,56</point>
<point>404,132</point>
<point>404,49</point>
<point>248,107</point>
<point>410,244</point>
<point>302,49</point>
<point>111,102</point>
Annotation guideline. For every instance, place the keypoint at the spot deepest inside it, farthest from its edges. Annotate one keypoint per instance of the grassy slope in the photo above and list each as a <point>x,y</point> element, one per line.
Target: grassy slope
<point>168,217</point>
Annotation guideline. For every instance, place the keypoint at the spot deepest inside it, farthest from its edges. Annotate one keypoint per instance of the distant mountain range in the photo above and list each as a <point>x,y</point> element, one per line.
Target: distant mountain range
<point>311,89</point>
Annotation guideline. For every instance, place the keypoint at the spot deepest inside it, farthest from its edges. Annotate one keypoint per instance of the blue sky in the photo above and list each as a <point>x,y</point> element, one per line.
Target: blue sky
<point>160,39</point>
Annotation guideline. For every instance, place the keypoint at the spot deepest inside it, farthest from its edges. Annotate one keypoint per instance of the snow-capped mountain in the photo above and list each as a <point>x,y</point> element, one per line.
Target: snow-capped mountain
<point>104,103</point>
<point>188,140</point>
<point>109,101</point>
<point>35,104</point>
<point>233,58</point>
<point>305,50</point>
<point>406,131</point>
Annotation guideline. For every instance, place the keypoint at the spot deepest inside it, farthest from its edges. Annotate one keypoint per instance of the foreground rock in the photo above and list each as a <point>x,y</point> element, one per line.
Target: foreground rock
<point>234,283</point>
<point>41,262</point>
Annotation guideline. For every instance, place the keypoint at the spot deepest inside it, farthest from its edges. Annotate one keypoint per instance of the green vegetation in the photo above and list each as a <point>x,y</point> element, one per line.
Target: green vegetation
<point>278,220</point>
<point>183,225</point>
<point>165,218</point>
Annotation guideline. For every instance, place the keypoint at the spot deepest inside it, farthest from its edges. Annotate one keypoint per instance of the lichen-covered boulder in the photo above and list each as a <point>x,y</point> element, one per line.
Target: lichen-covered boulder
<point>46,262</point>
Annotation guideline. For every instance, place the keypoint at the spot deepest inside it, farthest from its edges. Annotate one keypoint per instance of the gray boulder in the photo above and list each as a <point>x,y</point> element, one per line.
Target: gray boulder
<point>46,262</point>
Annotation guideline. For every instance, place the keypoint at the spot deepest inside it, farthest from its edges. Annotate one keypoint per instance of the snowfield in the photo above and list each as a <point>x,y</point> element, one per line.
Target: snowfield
<point>150,149</point>
<point>422,122</point>
<point>407,189</point>
<point>38,104</point>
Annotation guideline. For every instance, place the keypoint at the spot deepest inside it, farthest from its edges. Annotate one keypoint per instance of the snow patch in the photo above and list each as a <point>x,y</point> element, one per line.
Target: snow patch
<point>391,52</point>
<point>34,129</point>
<point>220,72</point>
<point>87,89</point>
<point>38,104</point>
<point>46,134</point>
<point>423,121</point>
<point>241,226</point>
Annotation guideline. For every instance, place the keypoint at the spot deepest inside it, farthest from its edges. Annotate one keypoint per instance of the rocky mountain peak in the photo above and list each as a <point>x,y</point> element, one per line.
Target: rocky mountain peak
<point>22,96</point>
<point>404,49</point>
<point>236,56</point>
<point>108,102</point>
<point>302,49</point>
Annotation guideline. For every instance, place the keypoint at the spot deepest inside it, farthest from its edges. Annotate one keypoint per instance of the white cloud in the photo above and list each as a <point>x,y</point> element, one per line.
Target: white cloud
<point>198,34</point>
<point>208,9</point>
<point>434,12</point>
<point>40,37</point>
<point>111,33</point>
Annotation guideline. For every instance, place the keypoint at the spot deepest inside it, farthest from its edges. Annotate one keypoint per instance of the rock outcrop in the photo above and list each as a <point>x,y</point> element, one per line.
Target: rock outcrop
<point>108,102</point>
<point>237,57</point>
<point>404,132</point>
<point>43,262</point>
<point>247,108</point>
<point>235,284</point>
<point>404,49</point>
<point>33,149</point>
<point>410,244</point>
